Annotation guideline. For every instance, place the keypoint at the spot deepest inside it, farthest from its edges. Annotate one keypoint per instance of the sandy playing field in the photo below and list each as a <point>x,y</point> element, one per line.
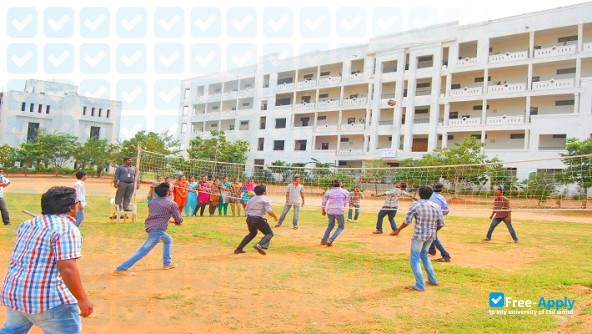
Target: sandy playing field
<point>302,287</point>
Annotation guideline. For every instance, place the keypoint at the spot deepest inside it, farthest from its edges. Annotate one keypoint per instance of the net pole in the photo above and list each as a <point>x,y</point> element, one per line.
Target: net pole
<point>134,197</point>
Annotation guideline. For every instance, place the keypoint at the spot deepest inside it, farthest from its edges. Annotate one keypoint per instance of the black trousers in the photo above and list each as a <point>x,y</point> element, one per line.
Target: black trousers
<point>201,206</point>
<point>4,210</point>
<point>256,223</point>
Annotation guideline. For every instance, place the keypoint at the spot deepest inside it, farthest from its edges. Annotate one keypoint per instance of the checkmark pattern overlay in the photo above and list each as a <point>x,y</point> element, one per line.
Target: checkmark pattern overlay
<point>140,54</point>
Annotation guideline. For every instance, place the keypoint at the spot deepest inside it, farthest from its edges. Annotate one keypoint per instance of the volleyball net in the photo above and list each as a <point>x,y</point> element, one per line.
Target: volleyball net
<point>564,184</point>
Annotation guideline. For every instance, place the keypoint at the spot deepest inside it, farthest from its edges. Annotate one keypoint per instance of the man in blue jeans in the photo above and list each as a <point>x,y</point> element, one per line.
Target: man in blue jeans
<point>160,210</point>
<point>428,220</point>
<point>335,199</point>
<point>441,201</point>
<point>390,206</point>
<point>43,285</point>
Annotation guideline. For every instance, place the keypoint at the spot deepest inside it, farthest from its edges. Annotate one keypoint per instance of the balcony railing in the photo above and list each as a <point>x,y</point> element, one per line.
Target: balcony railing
<point>553,83</point>
<point>304,106</point>
<point>228,113</point>
<point>505,120</point>
<point>423,92</point>
<point>587,47</point>
<point>354,101</point>
<point>355,76</point>
<point>467,91</point>
<point>285,86</point>
<point>551,148</point>
<point>386,122</point>
<point>425,64</point>
<point>230,94</point>
<point>555,51</point>
<point>466,62</point>
<point>283,107</point>
<point>506,88</point>
<point>352,127</point>
<point>508,56</point>
<point>326,128</point>
<point>387,96</point>
<point>327,104</point>
<point>306,84</point>
<point>328,81</point>
<point>245,92</point>
<point>214,97</point>
<point>421,121</point>
<point>350,151</point>
<point>200,98</point>
<point>464,122</point>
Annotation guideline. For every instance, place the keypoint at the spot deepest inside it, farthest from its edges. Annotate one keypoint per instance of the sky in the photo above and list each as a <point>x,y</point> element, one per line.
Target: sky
<point>138,51</point>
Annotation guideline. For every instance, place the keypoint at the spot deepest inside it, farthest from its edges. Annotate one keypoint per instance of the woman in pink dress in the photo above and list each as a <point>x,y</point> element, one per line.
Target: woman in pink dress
<point>203,197</point>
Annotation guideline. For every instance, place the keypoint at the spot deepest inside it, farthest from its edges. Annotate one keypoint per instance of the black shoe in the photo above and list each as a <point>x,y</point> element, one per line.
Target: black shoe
<point>241,251</point>
<point>277,225</point>
<point>260,249</point>
<point>329,243</point>
<point>377,232</point>
<point>323,243</point>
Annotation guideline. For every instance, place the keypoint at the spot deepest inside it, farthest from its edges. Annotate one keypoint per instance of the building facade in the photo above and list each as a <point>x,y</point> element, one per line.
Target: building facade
<point>56,107</point>
<point>521,85</point>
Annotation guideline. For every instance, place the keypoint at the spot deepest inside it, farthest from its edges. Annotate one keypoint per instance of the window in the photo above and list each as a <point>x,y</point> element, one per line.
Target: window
<point>454,115</point>
<point>342,163</point>
<point>566,39</point>
<point>260,144</point>
<point>84,111</point>
<point>32,130</point>
<point>183,127</point>
<point>278,145</point>
<point>476,136</point>
<point>32,107</point>
<point>283,102</point>
<point>424,58</point>
<point>92,112</point>
<point>264,105</point>
<point>559,136</point>
<point>480,79</point>
<point>244,125</point>
<point>324,146</point>
<point>40,109</point>
<point>424,85</point>
<point>280,123</point>
<point>325,74</point>
<point>390,138</point>
<point>308,76</point>
<point>422,111</point>
<point>344,140</point>
<point>566,70</point>
<point>214,125</point>
<point>321,118</point>
<point>536,79</point>
<point>231,127</point>
<point>185,110</point>
<point>323,96</point>
<point>284,80</point>
<point>534,110</point>
<point>248,85</point>
<point>455,86</point>
<point>305,121</point>
<point>351,120</point>
<point>95,132</point>
<point>305,99</point>
<point>564,103</point>
<point>47,107</point>
<point>187,91</point>
<point>246,104</point>
<point>215,107</point>
<point>23,106</point>
<point>108,112</point>
<point>100,112</point>
<point>516,135</point>
<point>480,107</point>
<point>262,121</point>
<point>300,145</point>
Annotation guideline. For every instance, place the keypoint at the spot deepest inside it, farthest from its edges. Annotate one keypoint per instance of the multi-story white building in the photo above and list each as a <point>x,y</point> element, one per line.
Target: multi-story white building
<point>56,107</point>
<point>522,85</point>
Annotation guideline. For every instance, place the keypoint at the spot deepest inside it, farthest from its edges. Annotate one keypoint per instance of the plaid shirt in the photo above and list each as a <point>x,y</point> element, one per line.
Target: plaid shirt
<point>428,217</point>
<point>392,197</point>
<point>160,210</point>
<point>33,283</point>
<point>355,198</point>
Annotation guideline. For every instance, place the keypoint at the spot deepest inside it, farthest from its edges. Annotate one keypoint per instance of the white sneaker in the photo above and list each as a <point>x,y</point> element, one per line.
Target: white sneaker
<point>123,273</point>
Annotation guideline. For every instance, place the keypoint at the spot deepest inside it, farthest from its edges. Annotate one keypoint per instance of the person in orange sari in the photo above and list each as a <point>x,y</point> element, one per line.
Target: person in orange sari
<point>180,190</point>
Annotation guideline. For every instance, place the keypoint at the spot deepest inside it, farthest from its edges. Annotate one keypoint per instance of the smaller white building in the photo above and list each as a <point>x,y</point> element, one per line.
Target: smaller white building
<point>56,107</point>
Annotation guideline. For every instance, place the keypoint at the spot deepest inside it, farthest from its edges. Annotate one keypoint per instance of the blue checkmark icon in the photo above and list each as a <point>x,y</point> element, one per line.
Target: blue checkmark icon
<point>496,299</point>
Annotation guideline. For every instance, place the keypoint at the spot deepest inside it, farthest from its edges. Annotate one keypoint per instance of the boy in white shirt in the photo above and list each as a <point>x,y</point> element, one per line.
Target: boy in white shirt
<point>80,196</point>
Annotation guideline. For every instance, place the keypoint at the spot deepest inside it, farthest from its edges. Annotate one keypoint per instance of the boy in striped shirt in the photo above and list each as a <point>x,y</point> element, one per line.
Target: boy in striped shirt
<point>43,286</point>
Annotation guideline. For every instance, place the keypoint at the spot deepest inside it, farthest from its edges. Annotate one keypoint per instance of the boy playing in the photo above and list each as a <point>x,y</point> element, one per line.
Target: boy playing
<point>255,210</point>
<point>160,210</point>
<point>80,197</point>
<point>43,285</point>
<point>354,203</point>
<point>501,213</point>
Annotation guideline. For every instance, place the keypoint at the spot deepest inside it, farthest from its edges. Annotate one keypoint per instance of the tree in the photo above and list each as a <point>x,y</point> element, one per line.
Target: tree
<point>538,186</point>
<point>162,143</point>
<point>57,148</point>
<point>467,152</point>
<point>218,148</point>
<point>7,155</point>
<point>579,170</point>
<point>501,176</point>
<point>28,153</point>
<point>321,168</point>
<point>347,180</point>
<point>95,153</point>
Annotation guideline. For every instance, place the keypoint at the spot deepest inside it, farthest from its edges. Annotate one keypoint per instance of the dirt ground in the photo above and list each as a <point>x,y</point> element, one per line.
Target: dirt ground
<point>214,291</point>
<point>102,187</point>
